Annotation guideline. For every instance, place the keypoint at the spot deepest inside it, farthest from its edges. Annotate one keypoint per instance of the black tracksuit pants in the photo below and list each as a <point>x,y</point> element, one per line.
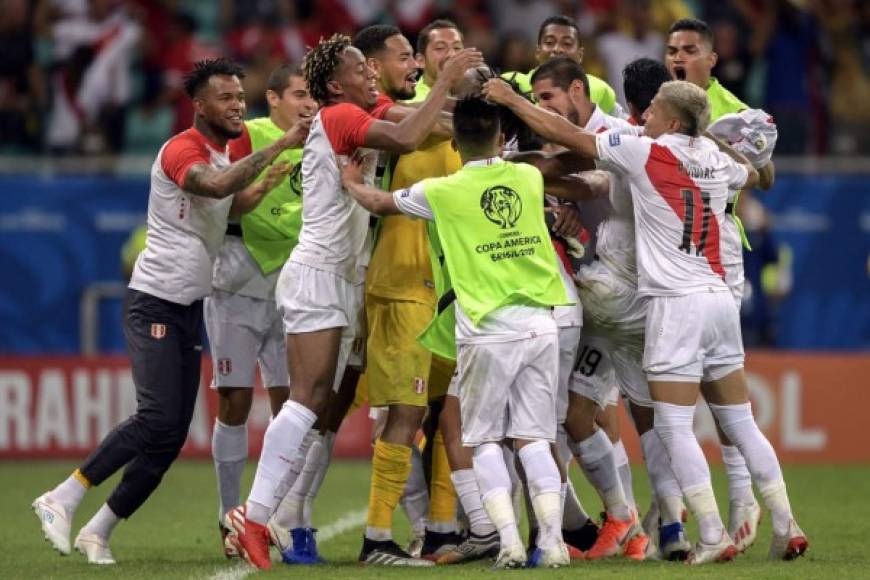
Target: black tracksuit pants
<point>164,340</point>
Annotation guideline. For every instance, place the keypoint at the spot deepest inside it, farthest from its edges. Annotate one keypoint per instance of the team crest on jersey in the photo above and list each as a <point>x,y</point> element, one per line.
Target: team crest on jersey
<point>502,206</point>
<point>158,331</point>
<point>295,179</point>
<point>613,139</point>
<point>225,366</point>
<point>419,385</point>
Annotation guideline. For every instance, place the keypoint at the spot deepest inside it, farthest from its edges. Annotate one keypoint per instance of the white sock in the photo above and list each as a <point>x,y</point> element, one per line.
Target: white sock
<point>624,469</point>
<point>285,514</point>
<point>415,498</point>
<point>324,458</point>
<point>739,479</point>
<point>280,447</point>
<point>702,503</point>
<point>516,489</point>
<point>103,522</point>
<point>542,476</point>
<point>574,516</point>
<point>738,423</point>
<point>662,479</point>
<point>595,455</point>
<point>229,450</point>
<point>465,483</point>
<point>295,499</point>
<point>69,494</point>
<point>673,424</point>
<point>495,483</point>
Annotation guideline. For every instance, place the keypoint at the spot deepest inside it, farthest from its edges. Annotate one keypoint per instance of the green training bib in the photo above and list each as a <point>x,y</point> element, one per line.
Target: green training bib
<point>271,230</point>
<point>490,220</point>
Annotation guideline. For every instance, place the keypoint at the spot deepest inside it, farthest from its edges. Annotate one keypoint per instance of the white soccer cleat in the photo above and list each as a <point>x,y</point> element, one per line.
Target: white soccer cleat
<point>280,537</point>
<point>95,548</point>
<point>790,546</point>
<point>723,551</point>
<point>55,522</point>
<point>743,523</point>
<point>555,557</point>
<point>511,557</point>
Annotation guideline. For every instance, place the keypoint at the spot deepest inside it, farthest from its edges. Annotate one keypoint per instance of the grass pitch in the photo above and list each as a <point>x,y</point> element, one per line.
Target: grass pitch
<point>175,534</point>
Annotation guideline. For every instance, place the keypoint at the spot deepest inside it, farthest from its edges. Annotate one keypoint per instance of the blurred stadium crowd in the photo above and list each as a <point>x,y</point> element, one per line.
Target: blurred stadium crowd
<point>104,76</point>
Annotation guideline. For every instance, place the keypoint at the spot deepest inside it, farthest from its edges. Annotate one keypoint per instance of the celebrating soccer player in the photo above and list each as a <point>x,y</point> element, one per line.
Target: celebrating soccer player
<point>679,184</point>
<point>316,289</point>
<point>193,185</point>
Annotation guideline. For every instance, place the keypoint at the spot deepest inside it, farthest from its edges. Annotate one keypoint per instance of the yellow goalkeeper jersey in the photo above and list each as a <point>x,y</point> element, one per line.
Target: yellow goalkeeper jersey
<point>399,268</point>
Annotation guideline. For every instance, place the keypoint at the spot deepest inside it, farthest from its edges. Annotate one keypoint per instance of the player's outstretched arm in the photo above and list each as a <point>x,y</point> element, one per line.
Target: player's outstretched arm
<point>550,126</point>
<point>583,186</point>
<point>443,128</point>
<point>250,197</point>
<point>766,176</point>
<point>206,181</point>
<point>374,200</point>
<point>407,135</point>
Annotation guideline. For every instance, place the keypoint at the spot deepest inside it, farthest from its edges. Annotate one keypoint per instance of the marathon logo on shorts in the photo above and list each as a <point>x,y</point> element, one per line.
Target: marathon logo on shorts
<point>158,331</point>
<point>419,385</point>
<point>225,366</point>
<point>613,139</point>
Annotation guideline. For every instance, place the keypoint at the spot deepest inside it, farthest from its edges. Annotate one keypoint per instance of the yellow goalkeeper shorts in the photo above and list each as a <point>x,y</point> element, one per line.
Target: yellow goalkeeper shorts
<point>397,369</point>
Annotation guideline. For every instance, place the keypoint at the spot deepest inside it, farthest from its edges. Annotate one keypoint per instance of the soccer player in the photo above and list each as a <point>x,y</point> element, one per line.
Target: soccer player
<point>243,323</point>
<point>505,273</point>
<point>690,57</point>
<point>560,36</point>
<point>400,300</point>
<point>560,86</point>
<point>679,184</point>
<point>316,288</point>
<point>193,184</point>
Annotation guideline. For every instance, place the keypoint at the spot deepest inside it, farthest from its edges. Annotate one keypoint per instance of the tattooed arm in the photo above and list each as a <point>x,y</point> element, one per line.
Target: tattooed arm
<point>207,181</point>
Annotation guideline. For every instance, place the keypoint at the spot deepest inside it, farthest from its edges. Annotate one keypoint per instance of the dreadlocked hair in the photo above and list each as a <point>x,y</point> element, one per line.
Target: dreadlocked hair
<point>320,63</point>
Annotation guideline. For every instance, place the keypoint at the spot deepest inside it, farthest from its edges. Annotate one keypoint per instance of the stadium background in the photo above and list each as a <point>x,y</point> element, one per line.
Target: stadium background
<point>89,90</point>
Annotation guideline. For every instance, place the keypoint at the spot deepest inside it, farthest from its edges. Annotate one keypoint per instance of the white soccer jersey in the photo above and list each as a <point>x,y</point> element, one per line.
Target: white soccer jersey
<point>334,225</point>
<point>185,231</point>
<point>615,245</point>
<point>679,187</point>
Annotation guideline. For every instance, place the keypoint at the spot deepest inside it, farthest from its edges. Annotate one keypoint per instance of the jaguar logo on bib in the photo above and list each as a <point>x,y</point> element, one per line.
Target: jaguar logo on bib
<point>502,206</point>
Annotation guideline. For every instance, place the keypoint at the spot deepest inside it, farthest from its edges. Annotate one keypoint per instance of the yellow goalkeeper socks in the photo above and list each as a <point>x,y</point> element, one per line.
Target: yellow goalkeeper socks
<point>391,466</point>
<point>442,501</point>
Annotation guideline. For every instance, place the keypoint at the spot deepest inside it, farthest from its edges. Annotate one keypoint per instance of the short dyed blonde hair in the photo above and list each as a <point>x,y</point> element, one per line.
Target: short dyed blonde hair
<point>690,103</point>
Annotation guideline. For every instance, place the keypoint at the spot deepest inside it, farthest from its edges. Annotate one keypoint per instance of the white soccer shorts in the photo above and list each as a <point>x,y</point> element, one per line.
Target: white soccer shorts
<point>244,331</point>
<point>692,338</point>
<point>311,299</point>
<point>569,339</point>
<point>508,389</point>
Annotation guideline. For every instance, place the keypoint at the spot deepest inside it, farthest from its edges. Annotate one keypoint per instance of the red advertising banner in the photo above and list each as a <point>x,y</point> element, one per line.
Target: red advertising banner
<point>61,407</point>
<point>811,406</point>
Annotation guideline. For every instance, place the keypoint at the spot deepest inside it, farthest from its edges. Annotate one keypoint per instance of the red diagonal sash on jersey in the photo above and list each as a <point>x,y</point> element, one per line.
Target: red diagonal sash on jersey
<point>663,170</point>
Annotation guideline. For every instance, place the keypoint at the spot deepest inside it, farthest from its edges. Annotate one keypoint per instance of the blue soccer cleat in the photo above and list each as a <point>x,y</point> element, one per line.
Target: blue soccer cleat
<point>673,543</point>
<point>304,549</point>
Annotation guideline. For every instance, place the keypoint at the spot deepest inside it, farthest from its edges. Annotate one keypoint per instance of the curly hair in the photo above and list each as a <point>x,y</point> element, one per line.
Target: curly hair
<point>205,69</point>
<point>320,63</point>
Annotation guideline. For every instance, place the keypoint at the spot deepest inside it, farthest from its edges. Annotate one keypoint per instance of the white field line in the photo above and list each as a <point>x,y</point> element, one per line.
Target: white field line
<point>347,522</point>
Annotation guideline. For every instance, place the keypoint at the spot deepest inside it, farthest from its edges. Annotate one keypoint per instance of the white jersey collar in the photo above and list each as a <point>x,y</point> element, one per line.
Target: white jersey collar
<point>597,119</point>
<point>484,162</point>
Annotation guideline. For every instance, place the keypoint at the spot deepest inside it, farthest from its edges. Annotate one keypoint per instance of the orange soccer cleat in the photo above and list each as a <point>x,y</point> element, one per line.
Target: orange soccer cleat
<point>611,538</point>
